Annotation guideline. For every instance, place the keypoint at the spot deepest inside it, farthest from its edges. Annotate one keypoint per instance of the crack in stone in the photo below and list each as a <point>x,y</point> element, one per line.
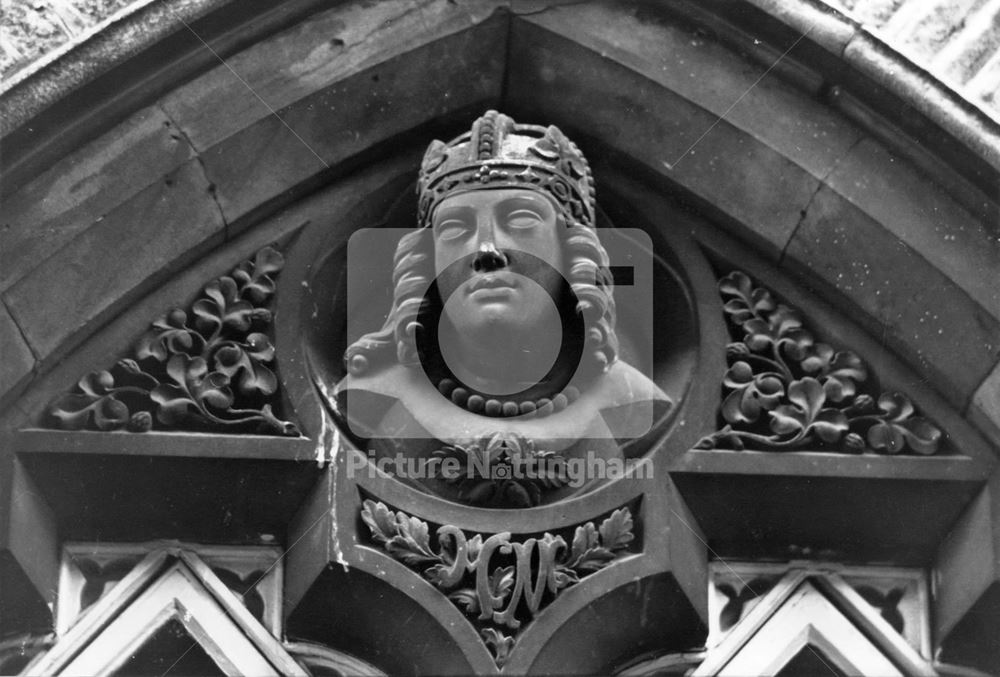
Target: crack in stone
<point>209,185</point>
<point>821,183</point>
<point>20,331</point>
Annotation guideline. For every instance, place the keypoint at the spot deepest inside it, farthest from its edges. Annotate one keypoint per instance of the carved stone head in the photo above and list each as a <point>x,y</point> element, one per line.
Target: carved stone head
<point>506,243</point>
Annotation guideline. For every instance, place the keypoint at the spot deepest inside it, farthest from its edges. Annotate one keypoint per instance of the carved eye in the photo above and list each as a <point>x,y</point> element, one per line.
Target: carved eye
<point>451,229</point>
<point>523,219</point>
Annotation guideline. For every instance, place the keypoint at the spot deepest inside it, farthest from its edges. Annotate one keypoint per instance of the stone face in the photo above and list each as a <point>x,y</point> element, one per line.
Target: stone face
<point>747,181</point>
<point>114,261</point>
<point>934,325</point>
<point>920,214</point>
<point>273,156</point>
<point>55,207</point>
<point>17,360</point>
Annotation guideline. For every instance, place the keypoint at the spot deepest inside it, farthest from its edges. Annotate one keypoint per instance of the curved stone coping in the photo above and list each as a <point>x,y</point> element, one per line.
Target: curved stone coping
<point>139,27</point>
<point>195,180</point>
<point>122,36</point>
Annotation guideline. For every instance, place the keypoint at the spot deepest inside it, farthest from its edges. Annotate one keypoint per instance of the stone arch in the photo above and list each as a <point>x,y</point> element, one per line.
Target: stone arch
<point>138,166</point>
<point>802,157</point>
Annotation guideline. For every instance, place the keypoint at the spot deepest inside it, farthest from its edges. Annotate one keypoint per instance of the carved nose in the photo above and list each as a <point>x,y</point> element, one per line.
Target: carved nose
<point>489,258</point>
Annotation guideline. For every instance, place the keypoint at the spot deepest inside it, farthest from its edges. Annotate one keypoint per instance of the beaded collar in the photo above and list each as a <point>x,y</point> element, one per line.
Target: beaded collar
<point>485,405</point>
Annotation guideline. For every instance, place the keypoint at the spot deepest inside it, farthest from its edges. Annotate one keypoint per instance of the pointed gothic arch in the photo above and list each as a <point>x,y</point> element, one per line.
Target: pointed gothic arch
<point>815,185</point>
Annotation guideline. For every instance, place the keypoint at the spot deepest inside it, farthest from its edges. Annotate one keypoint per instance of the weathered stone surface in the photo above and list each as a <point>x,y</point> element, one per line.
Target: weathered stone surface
<point>16,361</point>
<point>52,209</point>
<point>926,94</point>
<point>708,74</point>
<point>114,261</point>
<point>35,28</point>
<point>268,159</point>
<point>312,55</point>
<point>826,28</point>
<point>954,38</point>
<point>985,408</point>
<point>744,179</point>
<point>925,217</point>
<point>921,314</point>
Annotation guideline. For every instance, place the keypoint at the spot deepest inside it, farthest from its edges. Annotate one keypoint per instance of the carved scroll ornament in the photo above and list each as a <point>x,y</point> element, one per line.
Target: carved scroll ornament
<point>500,597</point>
<point>205,368</point>
<point>786,391</point>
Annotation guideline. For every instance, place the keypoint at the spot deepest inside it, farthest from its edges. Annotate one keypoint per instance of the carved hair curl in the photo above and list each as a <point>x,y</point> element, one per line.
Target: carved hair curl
<point>413,271</point>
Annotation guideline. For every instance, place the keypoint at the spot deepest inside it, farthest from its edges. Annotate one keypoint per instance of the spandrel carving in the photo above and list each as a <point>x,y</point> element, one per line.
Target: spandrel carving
<point>207,368</point>
<point>786,391</point>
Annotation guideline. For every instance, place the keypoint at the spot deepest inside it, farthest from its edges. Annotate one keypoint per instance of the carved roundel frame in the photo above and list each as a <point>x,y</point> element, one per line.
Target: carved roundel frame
<point>313,306</point>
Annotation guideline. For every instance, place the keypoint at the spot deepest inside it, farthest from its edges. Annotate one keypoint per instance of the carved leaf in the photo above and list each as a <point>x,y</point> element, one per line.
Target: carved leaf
<point>783,326</point>
<point>259,285</point>
<point>838,371</point>
<point>748,302</point>
<point>616,530</point>
<point>584,538</point>
<point>466,599</point>
<point>405,538</point>
<point>473,547</point>
<point>380,520</point>
<point>499,643</point>
<point>564,577</point>
<point>806,413</point>
<point>170,335</point>
<point>241,363</point>
<point>752,394</point>
<point>411,544</point>
<point>589,552</point>
<point>501,582</point>
<point>896,429</point>
<point>438,575</point>
<point>77,411</point>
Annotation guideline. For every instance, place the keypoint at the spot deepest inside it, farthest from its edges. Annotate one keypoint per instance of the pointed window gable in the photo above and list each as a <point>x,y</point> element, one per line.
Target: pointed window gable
<point>813,618</point>
<point>170,590</point>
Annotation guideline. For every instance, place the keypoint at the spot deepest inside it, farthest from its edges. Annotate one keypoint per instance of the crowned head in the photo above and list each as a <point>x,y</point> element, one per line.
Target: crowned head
<point>500,153</point>
<point>500,203</point>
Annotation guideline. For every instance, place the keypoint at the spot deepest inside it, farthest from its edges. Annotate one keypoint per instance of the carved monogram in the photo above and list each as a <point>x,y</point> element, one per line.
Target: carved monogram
<point>500,582</point>
<point>786,391</point>
<point>204,368</point>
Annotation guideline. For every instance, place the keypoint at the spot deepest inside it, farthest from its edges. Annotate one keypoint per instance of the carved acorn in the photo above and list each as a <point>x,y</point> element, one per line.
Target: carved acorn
<point>853,443</point>
<point>140,422</point>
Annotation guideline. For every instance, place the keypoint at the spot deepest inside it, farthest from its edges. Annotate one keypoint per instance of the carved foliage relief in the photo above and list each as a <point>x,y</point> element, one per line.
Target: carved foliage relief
<point>786,391</point>
<point>204,368</point>
<point>499,582</point>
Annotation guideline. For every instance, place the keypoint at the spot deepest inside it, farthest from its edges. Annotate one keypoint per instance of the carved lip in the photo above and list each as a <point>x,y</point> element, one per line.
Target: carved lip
<point>490,281</point>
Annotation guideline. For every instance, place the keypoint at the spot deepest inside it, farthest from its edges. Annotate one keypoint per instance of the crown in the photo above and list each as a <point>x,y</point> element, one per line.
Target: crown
<point>500,153</point>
